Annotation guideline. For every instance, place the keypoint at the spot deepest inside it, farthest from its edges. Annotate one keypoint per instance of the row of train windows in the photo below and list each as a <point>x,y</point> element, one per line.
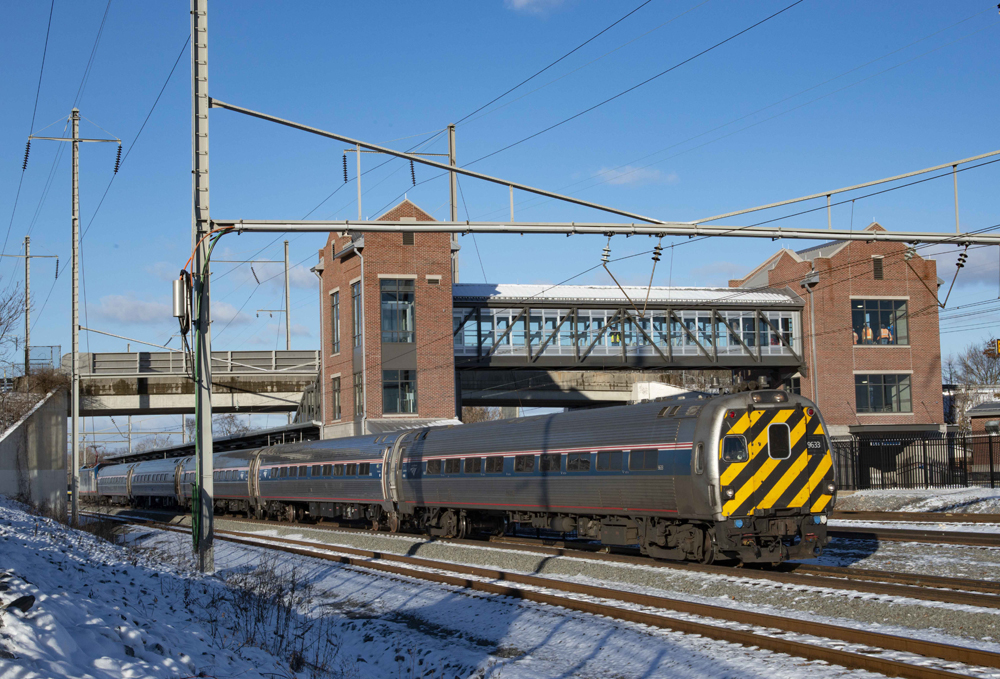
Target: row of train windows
<point>228,475</point>
<point>611,460</point>
<point>150,478</point>
<point>351,469</point>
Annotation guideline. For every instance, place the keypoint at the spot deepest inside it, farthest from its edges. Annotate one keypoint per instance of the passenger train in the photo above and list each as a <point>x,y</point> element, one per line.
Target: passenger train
<point>745,476</point>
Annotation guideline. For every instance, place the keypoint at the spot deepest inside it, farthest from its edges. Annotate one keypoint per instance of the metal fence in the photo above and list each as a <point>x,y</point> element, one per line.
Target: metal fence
<point>952,461</point>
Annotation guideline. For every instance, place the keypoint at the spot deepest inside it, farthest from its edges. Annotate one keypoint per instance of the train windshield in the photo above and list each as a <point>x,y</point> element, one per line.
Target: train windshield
<point>734,449</point>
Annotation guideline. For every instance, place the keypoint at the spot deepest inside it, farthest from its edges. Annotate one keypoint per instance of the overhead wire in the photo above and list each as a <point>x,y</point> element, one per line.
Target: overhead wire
<point>31,128</point>
<point>538,73</point>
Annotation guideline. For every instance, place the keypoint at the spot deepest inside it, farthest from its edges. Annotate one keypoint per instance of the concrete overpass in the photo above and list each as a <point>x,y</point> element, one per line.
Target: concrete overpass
<point>159,383</point>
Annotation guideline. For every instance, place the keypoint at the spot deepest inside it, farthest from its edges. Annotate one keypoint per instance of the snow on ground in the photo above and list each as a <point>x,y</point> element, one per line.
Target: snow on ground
<point>962,500</point>
<point>944,525</point>
<point>138,611</point>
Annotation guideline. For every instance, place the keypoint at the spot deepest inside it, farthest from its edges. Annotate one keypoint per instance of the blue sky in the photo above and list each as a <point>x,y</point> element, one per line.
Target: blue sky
<point>763,118</point>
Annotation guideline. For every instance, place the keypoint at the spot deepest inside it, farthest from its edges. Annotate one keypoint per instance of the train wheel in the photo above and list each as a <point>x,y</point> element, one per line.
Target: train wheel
<point>708,548</point>
<point>393,523</point>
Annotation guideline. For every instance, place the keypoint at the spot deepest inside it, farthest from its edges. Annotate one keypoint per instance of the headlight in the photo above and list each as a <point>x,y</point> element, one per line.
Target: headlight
<point>730,493</point>
<point>831,488</point>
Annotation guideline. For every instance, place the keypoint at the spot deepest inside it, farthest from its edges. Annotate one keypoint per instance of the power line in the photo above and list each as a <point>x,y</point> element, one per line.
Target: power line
<point>635,87</point>
<point>137,135</point>
<point>538,73</point>
<point>474,242</point>
<point>90,62</point>
<point>31,128</point>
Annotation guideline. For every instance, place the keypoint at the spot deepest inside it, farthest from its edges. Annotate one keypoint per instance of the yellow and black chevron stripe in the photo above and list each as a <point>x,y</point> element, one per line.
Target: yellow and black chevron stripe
<point>763,482</point>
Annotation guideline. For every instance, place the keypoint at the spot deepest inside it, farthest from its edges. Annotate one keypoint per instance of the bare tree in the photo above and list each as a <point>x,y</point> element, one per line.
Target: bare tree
<point>979,364</point>
<point>480,414</point>
<point>151,443</point>
<point>231,425</point>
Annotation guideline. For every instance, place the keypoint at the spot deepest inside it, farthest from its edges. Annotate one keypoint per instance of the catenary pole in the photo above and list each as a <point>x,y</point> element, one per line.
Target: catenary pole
<point>453,186</point>
<point>75,350</point>
<point>200,226</point>
<point>27,303</point>
<point>288,316</point>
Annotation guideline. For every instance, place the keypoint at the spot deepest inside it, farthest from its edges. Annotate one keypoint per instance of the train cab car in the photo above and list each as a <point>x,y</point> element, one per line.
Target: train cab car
<point>232,481</point>
<point>113,483</point>
<point>768,455</point>
<point>154,483</point>
<point>88,483</point>
<point>336,478</point>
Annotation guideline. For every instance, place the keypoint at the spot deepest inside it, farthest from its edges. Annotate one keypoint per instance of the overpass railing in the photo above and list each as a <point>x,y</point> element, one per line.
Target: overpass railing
<point>126,364</point>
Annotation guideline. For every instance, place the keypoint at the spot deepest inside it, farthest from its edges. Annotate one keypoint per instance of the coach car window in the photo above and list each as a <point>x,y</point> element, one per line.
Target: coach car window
<point>778,445</point>
<point>303,470</point>
<point>642,460</point>
<point>338,470</point>
<point>434,466</point>
<point>609,461</point>
<point>453,466</point>
<point>578,462</point>
<point>734,449</point>
<point>494,465</point>
<point>316,469</point>
<point>474,465</point>
<point>550,462</point>
<point>364,468</point>
<point>524,463</point>
<point>327,469</point>
<point>352,470</point>
<point>284,472</point>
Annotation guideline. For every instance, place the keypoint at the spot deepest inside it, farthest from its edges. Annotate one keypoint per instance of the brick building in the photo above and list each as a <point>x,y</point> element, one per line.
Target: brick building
<point>877,362</point>
<point>385,304</point>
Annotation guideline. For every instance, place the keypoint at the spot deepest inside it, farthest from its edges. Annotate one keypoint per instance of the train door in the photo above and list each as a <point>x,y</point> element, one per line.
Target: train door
<point>128,481</point>
<point>763,458</point>
<point>254,474</point>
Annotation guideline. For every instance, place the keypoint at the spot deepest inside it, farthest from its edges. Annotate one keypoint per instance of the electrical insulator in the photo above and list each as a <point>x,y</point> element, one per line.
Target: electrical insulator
<point>118,159</point>
<point>27,150</point>
<point>657,251</point>
<point>345,168</point>
<point>962,259</point>
<point>413,174</point>
<point>908,255</point>
<point>57,269</point>
<point>606,255</point>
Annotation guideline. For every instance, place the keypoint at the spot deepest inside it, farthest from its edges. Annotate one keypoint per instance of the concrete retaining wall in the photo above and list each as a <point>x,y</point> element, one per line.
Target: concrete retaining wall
<point>33,456</point>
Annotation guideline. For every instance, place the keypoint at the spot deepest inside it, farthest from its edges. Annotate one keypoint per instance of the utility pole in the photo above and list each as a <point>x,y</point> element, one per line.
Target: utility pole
<point>27,296</point>
<point>75,284</point>
<point>204,536</point>
<point>288,305</point>
<point>27,303</point>
<point>288,313</point>
<point>453,182</point>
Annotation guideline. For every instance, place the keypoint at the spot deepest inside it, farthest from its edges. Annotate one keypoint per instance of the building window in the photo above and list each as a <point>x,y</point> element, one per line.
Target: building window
<point>877,272</point>
<point>335,390</point>
<point>880,321</point>
<point>399,391</point>
<point>335,321</point>
<point>407,238</point>
<point>793,385</point>
<point>883,393</point>
<point>356,312</point>
<point>397,310</point>
<point>359,395</point>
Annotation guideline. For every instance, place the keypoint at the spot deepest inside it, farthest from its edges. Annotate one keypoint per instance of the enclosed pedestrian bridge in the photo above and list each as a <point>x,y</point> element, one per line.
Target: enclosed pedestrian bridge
<point>607,327</point>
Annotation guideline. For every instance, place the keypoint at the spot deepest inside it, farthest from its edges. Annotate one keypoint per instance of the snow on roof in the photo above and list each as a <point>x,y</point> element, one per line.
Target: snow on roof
<point>611,293</point>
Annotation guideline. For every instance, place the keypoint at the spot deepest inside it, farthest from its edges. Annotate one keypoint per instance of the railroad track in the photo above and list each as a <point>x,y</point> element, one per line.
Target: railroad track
<point>927,660</point>
<point>962,591</point>
<point>918,517</point>
<point>944,537</point>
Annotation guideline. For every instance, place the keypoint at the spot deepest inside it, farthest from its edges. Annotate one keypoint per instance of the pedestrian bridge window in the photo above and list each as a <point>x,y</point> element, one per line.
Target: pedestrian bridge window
<point>398,323</point>
<point>880,321</point>
<point>883,393</point>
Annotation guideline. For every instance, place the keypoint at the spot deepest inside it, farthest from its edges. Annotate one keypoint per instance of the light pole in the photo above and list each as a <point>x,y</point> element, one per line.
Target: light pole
<point>810,282</point>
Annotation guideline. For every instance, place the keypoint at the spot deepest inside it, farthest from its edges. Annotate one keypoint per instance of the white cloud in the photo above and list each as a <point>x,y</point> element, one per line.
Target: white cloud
<point>301,277</point>
<point>532,6</point>
<point>981,269</point>
<point>299,330</point>
<point>129,310</point>
<point>716,274</point>
<point>226,313</point>
<point>165,271</point>
<point>636,176</point>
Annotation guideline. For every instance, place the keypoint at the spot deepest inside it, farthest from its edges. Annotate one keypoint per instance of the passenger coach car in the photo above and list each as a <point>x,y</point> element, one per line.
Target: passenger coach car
<point>746,476</point>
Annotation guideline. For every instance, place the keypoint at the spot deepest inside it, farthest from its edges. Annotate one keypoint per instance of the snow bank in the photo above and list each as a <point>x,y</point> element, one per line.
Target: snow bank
<point>963,500</point>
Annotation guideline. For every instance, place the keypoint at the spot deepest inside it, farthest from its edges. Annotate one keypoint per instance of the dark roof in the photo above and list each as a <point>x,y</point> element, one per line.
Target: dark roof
<point>303,431</point>
<point>988,409</point>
